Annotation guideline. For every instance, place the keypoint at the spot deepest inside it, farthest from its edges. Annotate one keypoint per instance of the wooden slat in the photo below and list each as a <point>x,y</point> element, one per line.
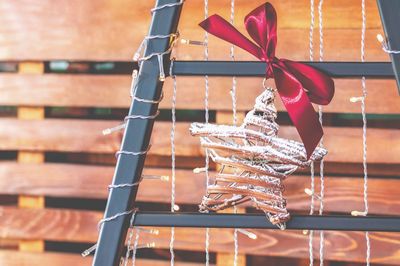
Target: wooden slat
<point>71,225</point>
<point>72,135</point>
<point>15,258</point>
<point>107,26</point>
<point>227,259</point>
<point>112,92</point>
<point>340,45</point>
<point>342,194</point>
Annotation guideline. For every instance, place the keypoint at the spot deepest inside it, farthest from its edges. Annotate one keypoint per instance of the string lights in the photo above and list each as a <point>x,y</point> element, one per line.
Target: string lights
<point>207,160</point>
<point>173,206</point>
<point>385,46</point>
<point>312,175</point>
<point>362,100</point>
<point>135,74</point>
<point>321,170</point>
<point>233,95</point>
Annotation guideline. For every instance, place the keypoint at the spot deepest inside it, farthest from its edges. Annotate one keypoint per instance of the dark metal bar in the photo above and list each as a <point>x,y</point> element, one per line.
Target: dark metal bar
<point>390,16</point>
<point>257,69</point>
<point>229,68</point>
<point>343,223</point>
<point>136,139</point>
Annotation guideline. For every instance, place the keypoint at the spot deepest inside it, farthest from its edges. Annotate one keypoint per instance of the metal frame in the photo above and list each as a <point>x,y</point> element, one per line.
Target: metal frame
<point>390,15</point>
<point>257,69</point>
<point>246,68</point>
<point>297,222</point>
<point>129,168</point>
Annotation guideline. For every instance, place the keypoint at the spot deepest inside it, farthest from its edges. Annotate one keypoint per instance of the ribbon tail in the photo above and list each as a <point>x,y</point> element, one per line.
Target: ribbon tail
<point>320,87</point>
<point>221,28</point>
<point>299,108</point>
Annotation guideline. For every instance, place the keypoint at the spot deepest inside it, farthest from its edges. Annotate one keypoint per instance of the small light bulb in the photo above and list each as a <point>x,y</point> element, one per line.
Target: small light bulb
<point>89,250</point>
<point>136,57</point>
<point>191,42</point>
<point>308,191</point>
<point>110,130</point>
<point>147,245</point>
<point>199,170</point>
<point>176,207</point>
<point>154,232</point>
<point>356,99</point>
<point>249,234</point>
<point>134,74</point>
<point>160,177</point>
<point>358,213</point>
<point>164,178</point>
<point>305,232</point>
<point>311,194</point>
<point>252,236</point>
<point>380,38</point>
<point>106,131</point>
<point>149,231</point>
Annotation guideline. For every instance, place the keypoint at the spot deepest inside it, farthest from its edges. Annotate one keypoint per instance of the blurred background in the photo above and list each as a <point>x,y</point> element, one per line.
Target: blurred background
<point>65,76</point>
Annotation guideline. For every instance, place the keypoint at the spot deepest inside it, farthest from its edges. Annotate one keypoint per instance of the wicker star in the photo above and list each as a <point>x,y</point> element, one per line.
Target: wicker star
<point>253,161</point>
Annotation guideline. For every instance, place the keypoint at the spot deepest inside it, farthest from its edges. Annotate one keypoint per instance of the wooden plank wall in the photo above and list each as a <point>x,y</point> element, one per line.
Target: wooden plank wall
<point>63,157</point>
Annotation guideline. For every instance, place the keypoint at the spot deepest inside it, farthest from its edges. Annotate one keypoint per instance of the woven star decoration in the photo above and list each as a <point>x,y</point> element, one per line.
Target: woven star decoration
<point>253,161</point>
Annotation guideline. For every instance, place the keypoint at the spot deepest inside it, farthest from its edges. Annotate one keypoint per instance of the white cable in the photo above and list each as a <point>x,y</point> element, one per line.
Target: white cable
<point>166,6</point>
<point>234,82</point>
<point>173,112</point>
<point>128,248</point>
<point>312,25</point>
<point>364,118</point>
<point>312,175</point>
<point>207,162</point>
<point>322,182</point>
<point>387,50</point>
<point>135,247</point>
<point>233,95</point>
<point>111,218</point>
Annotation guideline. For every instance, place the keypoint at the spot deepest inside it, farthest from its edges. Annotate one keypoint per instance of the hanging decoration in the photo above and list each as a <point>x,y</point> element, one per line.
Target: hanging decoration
<point>254,160</point>
<point>298,84</point>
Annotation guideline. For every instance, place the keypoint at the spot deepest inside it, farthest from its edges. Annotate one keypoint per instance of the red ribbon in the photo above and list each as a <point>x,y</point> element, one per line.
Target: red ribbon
<point>290,77</point>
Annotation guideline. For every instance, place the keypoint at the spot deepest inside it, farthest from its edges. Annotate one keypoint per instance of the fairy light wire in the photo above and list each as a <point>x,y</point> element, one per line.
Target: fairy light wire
<point>130,237</point>
<point>234,114</point>
<point>312,173</point>
<point>364,134</point>
<point>158,8</point>
<point>133,91</point>
<point>322,181</point>
<point>173,164</point>
<point>385,45</point>
<point>135,247</point>
<point>207,160</point>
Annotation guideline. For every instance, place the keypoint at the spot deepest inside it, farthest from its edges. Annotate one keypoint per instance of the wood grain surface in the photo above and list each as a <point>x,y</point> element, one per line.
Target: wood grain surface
<point>112,91</point>
<point>15,258</point>
<point>80,226</point>
<point>342,194</point>
<point>74,135</point>
<point>104,30</point>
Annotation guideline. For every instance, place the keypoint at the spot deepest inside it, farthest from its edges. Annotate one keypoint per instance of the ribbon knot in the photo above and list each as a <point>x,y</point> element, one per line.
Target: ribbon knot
<point>298,84</point>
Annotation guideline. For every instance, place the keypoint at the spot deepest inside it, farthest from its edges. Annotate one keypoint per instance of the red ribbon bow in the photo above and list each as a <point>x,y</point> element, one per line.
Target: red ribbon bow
<point>290,77</point>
